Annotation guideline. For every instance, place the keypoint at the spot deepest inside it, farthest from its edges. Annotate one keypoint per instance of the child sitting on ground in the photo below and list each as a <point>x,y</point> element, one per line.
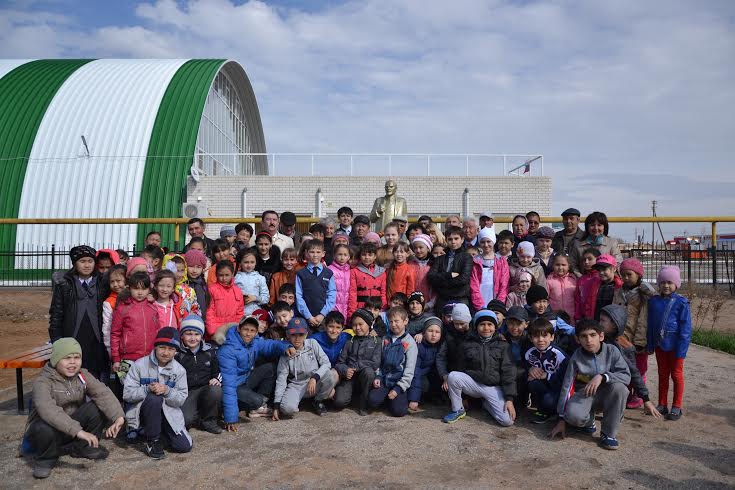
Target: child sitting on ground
<point>252,284</point>
<point>358,362</point>
<point>308,374</point>
<point>669,334</point>
<point>486,371</point>
<point>397,367</point>
<point>225,299</point>
<point>516,335</point>
<point>426,379</point>
<point>596,379</point>
<point>196,262</point>
<point>546,365</point>
<point>70,410</point>
<point>287,274</point>
<point>316,290</point>
<point>203,380</point>
<point>331,338</point>
<point>367,280</point>
<point>155,390</point>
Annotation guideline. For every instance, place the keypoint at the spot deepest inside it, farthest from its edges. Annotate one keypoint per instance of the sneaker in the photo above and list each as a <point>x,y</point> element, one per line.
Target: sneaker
<point>663,410</point>
<point>540,417</point>
<point>212,427</point>
<point>452,417</point>
<point>263,411</point>
<point>42,471</point>
<point>89,452</point>
<point>674,414</point>
<point>319,407</point>
<point>588,429</point>
<point>154,449</point>
<point>607,442</point>
<point>634,402</point>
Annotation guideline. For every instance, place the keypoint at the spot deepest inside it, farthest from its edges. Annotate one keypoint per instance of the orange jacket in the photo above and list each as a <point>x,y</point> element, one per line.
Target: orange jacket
<point>402,279</point>
<point>279,279</point>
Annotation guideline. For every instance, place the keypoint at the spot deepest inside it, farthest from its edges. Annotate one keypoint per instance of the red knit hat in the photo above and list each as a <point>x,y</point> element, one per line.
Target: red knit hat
<point>195,257</point>
<point>634,265</point>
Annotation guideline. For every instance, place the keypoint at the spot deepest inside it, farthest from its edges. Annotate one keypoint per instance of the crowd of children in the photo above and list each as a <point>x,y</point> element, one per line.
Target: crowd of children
<point>520,319</point>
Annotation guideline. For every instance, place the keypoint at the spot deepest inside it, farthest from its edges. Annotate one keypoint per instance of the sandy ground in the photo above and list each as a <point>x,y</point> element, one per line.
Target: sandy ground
<point>345,450</point>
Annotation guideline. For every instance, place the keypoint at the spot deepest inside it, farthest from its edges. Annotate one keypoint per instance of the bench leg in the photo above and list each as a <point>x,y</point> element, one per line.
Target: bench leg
<point>19,389</point>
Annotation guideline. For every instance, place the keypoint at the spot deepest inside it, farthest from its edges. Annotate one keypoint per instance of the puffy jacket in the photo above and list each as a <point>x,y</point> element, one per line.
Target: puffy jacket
<point>618,316</point>
<point>562,291</point>
<point>107,309</point>
<point>425,365</point>
<point>577,248</point>
<point>446,287</point>
<point>200,366</point>
<point>416,323</point>
<point>236,361</point>
<point>360,353</point>
<point>585,285</point>
<point>279,279</point>
<point>252,283</point>
<point>635,301</point>
<point>399,362</point>
<point>331,348</point>
<point>448,357</point>
<point>535,269</point>
<point>366,283</point>
<point>225,306</point>
<point>669,324</point>
<point>134,328</point>
<point>63,309</point>
<point>402,279</point>
<point>489,363</point>
<point>341,274</point>
<point>476,298</point>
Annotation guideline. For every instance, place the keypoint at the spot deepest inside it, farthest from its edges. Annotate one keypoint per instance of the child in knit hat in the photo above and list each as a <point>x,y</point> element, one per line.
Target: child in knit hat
<point>421,261</point>
<point>156,389</point>
<point>669,334</point>
<point>449,355</point>
<point>70,410</point>
<point>517,297</point>
<point>526,261</point>
<point>202,376</point>
<point>196,262</point>
<point>426,379</point>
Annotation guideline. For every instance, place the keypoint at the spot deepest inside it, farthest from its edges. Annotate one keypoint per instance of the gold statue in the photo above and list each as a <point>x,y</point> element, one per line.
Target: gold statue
<point>388,207</point>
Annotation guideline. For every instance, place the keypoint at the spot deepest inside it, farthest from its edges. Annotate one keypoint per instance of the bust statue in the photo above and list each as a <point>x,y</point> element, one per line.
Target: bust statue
<point>388,207</point>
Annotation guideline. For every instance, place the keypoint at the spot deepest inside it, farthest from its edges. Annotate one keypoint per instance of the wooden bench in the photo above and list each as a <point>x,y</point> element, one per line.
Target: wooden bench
<point>34,358</point>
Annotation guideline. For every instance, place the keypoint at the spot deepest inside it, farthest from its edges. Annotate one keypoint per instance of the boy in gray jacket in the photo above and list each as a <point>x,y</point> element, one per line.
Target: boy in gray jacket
<point>307,374</point>
<point>597,378</point>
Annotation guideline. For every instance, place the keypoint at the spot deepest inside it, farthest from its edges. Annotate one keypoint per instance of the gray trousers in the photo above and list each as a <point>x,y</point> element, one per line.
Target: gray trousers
<point>296,391</point>
<point>493,399</point>
<point>610,398</point>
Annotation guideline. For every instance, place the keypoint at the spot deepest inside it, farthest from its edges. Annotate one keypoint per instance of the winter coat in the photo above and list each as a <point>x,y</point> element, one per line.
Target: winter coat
<point>107,309</point>
<point>267,268</point>
<point>212,271</point>
<point>309,362</point>
<point>562,292</point>
<point>518,346</point>
<point>134,328</point>
<point>515,298</point>
<point>589,309</point>
<point>199,285</point>
<point>576,252</point>
<point>585,284</point>
<point>187,301</point>
<point>225,306</point>
<point>618,316</point>
<point>501,278</point>
<point>425,365</point>
<point>236,361</point>
<point>446,287</point>
<point>400,278</point>
<point>201,366</point>
<point>145,371</point>
<point>360,353</point>
<point>558,242</point>
<point>366,283</point>
<point>399,363</point>
<point>416,323</point>
<point>476,299</point>
<point>341,275</point>
<point>583,366</point>
<point>489,362</point>
<point>277,280</point>
<point>547,265</point>
<point>669,324</point>
<point>63,309</point>
<point>421,283</point>
<point>331,348</point>
<point>635,301</point>
<point>448,357</point>
<point>56,398</point>
<point>252,283</point>
<point>535,269</point>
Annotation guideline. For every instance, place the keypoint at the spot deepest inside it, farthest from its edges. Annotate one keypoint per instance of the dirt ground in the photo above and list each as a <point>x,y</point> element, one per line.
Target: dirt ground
<point>345,450</point>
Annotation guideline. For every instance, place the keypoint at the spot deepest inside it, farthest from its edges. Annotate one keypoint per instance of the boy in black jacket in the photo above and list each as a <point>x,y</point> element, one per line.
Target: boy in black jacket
<point>202,375</point>
<point>450,273</point>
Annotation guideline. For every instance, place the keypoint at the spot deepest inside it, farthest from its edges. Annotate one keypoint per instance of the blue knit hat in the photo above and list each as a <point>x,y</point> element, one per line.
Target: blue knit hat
<point>167,336</point>
<point>192,322</point>
<point>485,315</point>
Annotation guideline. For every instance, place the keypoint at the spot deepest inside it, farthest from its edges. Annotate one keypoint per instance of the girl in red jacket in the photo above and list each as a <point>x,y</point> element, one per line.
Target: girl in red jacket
<point>588,281</point>
<point>367,280</point>
<point>134,324</point>
<point>226,304</point>
<point>401,277</point>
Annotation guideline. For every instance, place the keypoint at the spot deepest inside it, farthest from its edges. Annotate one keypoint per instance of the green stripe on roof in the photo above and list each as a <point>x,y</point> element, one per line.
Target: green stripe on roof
<point>174,133</point>
<point>25,94</point>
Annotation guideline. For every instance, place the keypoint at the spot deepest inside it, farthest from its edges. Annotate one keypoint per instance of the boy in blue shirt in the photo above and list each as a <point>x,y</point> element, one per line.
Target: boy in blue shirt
<point>316,290</point>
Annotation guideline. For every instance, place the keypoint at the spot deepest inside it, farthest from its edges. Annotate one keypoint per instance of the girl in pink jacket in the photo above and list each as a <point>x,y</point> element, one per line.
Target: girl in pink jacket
<point>562,286</point>
<point>340,268</point>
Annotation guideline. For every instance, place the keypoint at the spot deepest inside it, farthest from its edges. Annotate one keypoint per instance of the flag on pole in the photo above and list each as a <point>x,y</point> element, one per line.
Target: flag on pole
<point>527,168</point>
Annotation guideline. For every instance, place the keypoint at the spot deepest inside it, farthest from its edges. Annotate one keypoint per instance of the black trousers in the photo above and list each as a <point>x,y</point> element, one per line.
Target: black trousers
<point>361,381</point>
<point>50,443</point>
<point>153,420</point>
<point>258,388</point>
<point>202,405</point>
<point>397,407</point>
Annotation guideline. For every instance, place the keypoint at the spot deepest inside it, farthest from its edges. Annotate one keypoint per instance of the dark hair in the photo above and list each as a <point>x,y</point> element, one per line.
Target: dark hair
<point>279,306</point>
<point>399,297</point>
<point>245,252</point>
<point>506,235</point>
<point>318,228</point>
<point>399,311</point>
<point>334,317</point>
<point>454,230</point>
<point>103,255</point>
<point>196,239</point>
<point>532,213</point>
<point>139,280</point>
<point>290,251</point>
<point>178,259</point>
<point>415,226</point>
<point>269,211</point>
<point>562,255</point>
<point>118,268</point>
<point>595,252</point>
<point>154,251</point>
<point>225,264</point>
<point>345,210</point>
<point>151,233</point>
<point>287,288</point>
<point>313,243</point>
<point>160,276</point>
<point>244,226</point>
<point>220,245</point>
<point>368,248</point>
<point>539,327</point>
<point>373,302</point>
<point>264,234</point>
<point>596,217</point>
<point>195,220</point>
<point>587,324</point>
<point>337,246</point>
<point>122,254</point>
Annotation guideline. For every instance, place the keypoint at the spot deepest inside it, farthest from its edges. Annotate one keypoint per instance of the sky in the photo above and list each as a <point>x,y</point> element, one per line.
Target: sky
<point>628,101</point>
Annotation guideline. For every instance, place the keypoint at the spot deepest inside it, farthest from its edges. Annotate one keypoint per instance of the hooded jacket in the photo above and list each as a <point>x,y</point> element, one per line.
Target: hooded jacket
<point>669,324</point>
<point>331,348</point>
<point>399,362</point>
<point>583,366</point>
<point>201,366</point>
<point>535,269</point>
<point>188,301</point>
<point>309,362</point>
<point>169,315</point>
<point>635,301</point>
<point>236,360</point>
<point>134,328</point>
<point>489,362</point>
<point>252,283</point>
<point>145,371</point>
<point>448,357</point>
<point>225,306</point>
<point>627,349</point>
<point>341,275</point>
<point>56,398</point>
<point>366,283</point>
<point>360,353</point>
<point>562,293</point>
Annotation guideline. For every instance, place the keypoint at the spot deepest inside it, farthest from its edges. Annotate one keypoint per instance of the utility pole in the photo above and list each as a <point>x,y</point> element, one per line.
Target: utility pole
<point>653,225</point>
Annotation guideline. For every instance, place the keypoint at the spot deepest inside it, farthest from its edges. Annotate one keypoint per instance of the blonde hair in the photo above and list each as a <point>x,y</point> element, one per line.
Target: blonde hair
<point>433,229</point>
